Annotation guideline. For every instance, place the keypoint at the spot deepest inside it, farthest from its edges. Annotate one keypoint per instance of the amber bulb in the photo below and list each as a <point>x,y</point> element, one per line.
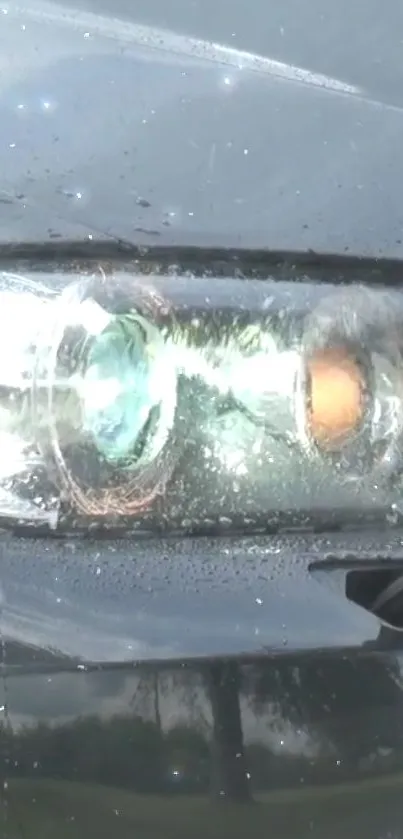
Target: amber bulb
<point>336,397</point>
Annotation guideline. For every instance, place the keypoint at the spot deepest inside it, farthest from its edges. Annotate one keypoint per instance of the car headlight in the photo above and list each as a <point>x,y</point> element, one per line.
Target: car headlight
<point>169,402</point>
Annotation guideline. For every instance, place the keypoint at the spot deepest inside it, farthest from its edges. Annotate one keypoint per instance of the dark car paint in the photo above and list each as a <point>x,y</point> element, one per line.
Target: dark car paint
<point>200,687</point>
<point>157,136</point>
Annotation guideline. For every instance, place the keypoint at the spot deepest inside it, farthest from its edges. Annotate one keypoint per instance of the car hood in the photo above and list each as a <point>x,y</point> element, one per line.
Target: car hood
<point>204,123</point>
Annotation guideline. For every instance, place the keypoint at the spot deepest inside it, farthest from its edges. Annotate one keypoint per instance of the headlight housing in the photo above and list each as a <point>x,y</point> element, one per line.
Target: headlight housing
<point>162,401</point>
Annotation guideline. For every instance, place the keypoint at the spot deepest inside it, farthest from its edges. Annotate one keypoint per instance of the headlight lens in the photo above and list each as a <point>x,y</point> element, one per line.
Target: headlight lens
<point>169,403</point>
<point>106,397</point>
<point>121,387</point>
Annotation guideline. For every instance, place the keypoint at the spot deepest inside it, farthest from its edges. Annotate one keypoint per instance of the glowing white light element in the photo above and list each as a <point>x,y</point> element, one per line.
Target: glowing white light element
<point>13,450</point>
<point>88,314</point>
<point>16,358</point>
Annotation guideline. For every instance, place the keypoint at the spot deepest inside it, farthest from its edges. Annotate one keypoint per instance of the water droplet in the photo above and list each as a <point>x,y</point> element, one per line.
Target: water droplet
<point>392,517</point>
<point>142,202</point>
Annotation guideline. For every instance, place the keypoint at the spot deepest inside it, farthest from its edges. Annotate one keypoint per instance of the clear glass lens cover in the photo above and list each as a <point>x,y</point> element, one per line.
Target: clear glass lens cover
<point>182,402</point>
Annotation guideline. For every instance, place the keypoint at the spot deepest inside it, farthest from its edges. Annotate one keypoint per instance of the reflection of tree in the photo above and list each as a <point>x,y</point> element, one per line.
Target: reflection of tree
<point>350,705</point>
<point>148,692</point>
<point>229,763</point>
<point>221,683</point>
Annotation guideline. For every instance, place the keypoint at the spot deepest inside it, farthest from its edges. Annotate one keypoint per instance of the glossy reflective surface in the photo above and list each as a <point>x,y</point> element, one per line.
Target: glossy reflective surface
<point>182,691</point>
<point>306,746</point>
<point>195,688</point>
<point>148,121</point>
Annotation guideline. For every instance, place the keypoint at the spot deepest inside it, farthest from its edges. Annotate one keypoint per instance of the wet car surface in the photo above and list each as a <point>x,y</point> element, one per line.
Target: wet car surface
<point>194,687</point>
<point>252,155</point>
